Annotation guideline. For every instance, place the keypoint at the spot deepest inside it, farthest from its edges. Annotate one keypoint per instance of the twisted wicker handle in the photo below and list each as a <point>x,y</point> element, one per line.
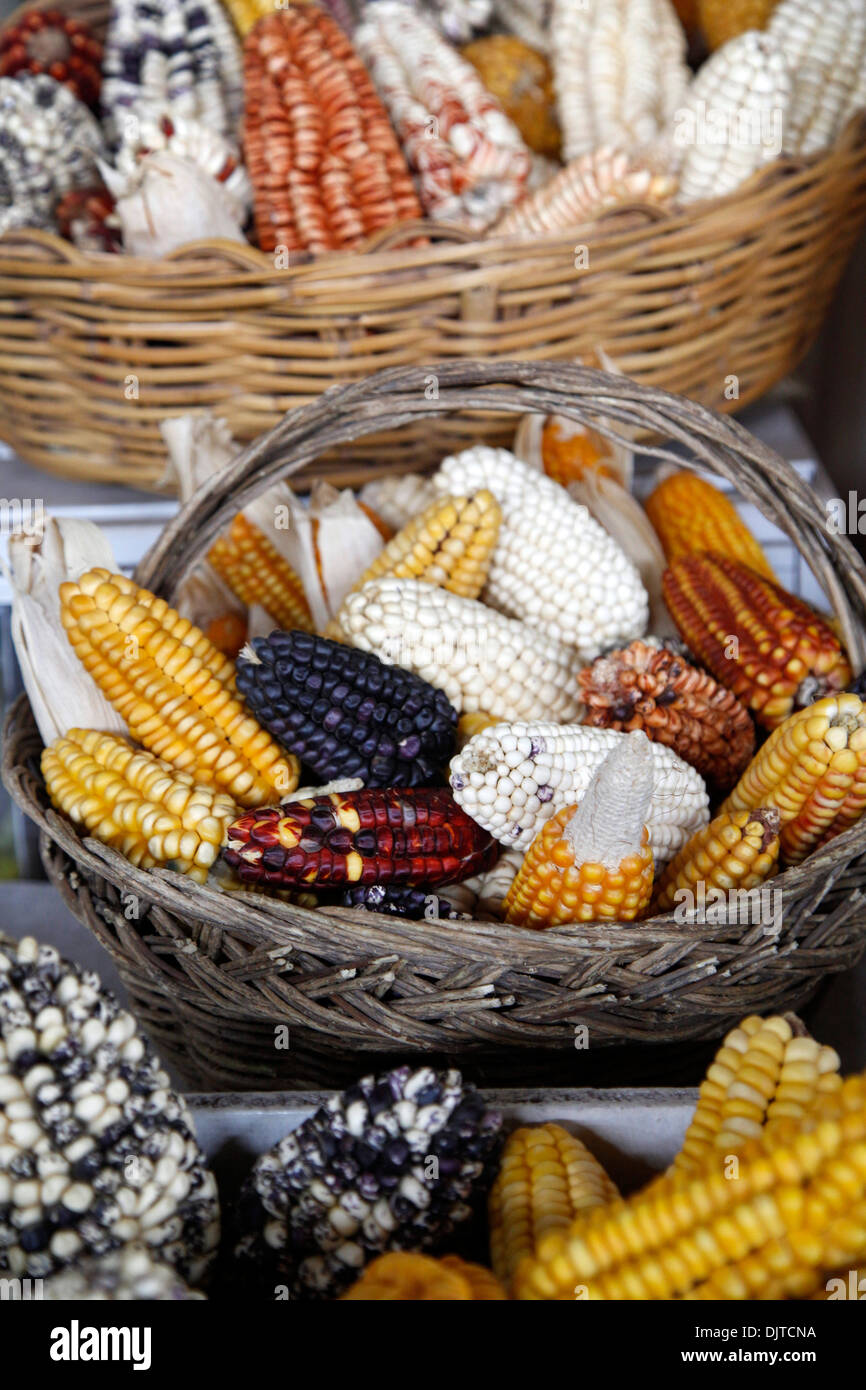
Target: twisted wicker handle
<point>391,399</point>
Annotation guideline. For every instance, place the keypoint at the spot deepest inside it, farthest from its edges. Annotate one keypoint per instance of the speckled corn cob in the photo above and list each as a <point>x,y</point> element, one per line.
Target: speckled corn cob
<point>553,566</point>
<point>137,803</point>
<point>771,1233</point>
<point>255,570</point>
<point>736,850</point>
<point>405,1277</point>
<point>408,836</point>
<point>546,1178</point>
<point>482,660</point>
<point>398,497</point>
<point>592,862</point>
<point>395,900</point>
<point>172,686</point>
<point>449,544</point>
<point>346,714</point>
<point>691,515</point>
<point>514,777</point>
<point>655,689</point>
<point>587,188</point>
<point>768,647</point>
<point>812,770</point>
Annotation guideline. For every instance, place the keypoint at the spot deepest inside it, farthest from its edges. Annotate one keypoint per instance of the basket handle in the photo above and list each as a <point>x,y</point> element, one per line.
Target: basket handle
<point>390,399</point>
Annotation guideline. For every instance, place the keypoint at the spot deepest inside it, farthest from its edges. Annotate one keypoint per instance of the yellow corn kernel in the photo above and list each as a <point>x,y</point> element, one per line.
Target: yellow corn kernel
<point>449,544</point>
<point>475,722</point>
<point>689,514</point>
<point>256,571</point>
<point>735,851</point>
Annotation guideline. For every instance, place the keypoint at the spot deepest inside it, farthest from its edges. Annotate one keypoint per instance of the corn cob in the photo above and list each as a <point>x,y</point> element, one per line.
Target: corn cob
<point>699,1142</point>
<point>449,544</point>
<point>546,1178</point>
<point>587,188</point>
<point>326,167</point>
<point>825,47</point>
<point>468,725</point>
<point>768,647</point>
<point>343,713</point>
<point>479,658</point>
<point>569,450</point>
<point>459,19</point>
<point>136,803</point>
<point>521,79</point>
<point>412,837</point>
<point>49,41</point>
<point>592,862</point>
<point>812,770</point>
<point>529,19</point>
<point>467,156</point>
<point>173,688</point>
<point>491,888</point>
<point>246,13</point>
<point>553,565</point>
<point>49,142</point>
<point>395,900</point>
<point>257,573</point>
<point>737,850</point>
<point>771,1233</point>
<point>397,498</point>
<point>514,777</point>
<point>690,515</point>
<point>401,1276</point>
<point>721,20</point>
<point>655,689</point>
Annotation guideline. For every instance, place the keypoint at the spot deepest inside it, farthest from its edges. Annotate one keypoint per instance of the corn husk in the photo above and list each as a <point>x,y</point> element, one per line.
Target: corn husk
<point>62,695</point>
<point>168,202</point>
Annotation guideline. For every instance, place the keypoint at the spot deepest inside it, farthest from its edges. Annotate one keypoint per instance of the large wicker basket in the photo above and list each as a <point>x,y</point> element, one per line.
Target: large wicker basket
<point>96,350</point>
<point>213,975</point>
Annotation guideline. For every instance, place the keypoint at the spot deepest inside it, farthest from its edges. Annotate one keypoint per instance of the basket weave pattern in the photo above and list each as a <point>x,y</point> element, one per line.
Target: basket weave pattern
<point>212,973</point>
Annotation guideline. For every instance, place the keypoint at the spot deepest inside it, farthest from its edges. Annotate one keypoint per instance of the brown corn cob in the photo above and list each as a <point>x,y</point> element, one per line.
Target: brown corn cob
<point>654,689</point>
<point>326,167</point>
<point>402,1276</point>
<point>406,836</point>
<point>546,1178</point>
<point>764,644</point>
<point>468,725</point>
<point>812,770</point>
<point>173,688</point>
<point>255,570</point>
<point>689,515</point>
<point>136,803</point>
<point>738,850</point>
<point>450,544</point>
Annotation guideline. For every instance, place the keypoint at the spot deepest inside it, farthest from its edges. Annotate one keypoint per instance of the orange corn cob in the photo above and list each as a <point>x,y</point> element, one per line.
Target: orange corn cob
<point>402,1276</point>
<point>812,770</point>
<point>450,544</point>
<point>764,644</point>
<point>567,457</point>
<point>690,515</point>
<point>736,850</point>
<point>228,633</point>
<point>256,571</point>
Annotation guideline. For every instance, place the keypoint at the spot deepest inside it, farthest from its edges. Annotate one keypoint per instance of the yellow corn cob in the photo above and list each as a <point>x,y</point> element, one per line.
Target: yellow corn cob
<point>546,1178</point>
<point>746,1105</point>
<point>137,803</point>
<point>450,544</point>
<point>173,688</point>
<point>689,514</point>
<point>485,1287</point>
<point>468,725</point>
<point>402,1276</point>
<point>795,1211</point>
<point>256,571</point>
<point>812,770</point>
<point>737,850</point>
<point>246,13</point>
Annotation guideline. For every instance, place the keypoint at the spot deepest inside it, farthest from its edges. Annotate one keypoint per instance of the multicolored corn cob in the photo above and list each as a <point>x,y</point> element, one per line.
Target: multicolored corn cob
<point>768,647</point>
<point>812,771</point>
<point>587,188</point>
<point>737,850</point>
<point>690,515</point>
<point>344,713</point>
<point>553,566</point>
<point>136,803</point>
<point>592,862</point>
<point>326,167</point>
<point>173,688</point>
<point>411,837</point>
<point>546,1179</point>
<point>255,570</point>
<point>449,544</point>
<point>795,1211</point>
<point>395,900</point>
<point>468,158</point>
<point>514,777</point>
<point>398,497</point>
<point>482,660</point>
<point>655,689</point>
<point>401,1276</point>
<point>52,42</point>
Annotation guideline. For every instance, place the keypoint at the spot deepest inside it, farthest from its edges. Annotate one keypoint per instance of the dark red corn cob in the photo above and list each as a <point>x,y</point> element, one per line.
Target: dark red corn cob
<point>397,900</point>
<point>405,836</point>
<point>344,713</point>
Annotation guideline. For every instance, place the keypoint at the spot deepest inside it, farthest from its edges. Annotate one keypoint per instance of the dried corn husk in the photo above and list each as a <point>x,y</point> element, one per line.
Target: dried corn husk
<point>329,543</point>
<point>586,189</point>
<point>214,154</point>
<point>167,203</point>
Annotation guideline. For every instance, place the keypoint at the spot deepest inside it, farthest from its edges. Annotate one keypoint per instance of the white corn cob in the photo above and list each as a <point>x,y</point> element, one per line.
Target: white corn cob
<point>824,44</point>
<point>468,158</point>
<point>481,659</point>
<point>620,71</point>
<point>553,567</point>
<point>586,188</point>
<point>459,19</point>
<point>512,777</point>
<point>734,117</point>
<point>528,19</point>
<point>397,498</point>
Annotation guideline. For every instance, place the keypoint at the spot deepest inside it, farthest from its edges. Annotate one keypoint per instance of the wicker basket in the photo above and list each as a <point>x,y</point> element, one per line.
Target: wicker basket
<point>212,975</point>
<point>96,350</point>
